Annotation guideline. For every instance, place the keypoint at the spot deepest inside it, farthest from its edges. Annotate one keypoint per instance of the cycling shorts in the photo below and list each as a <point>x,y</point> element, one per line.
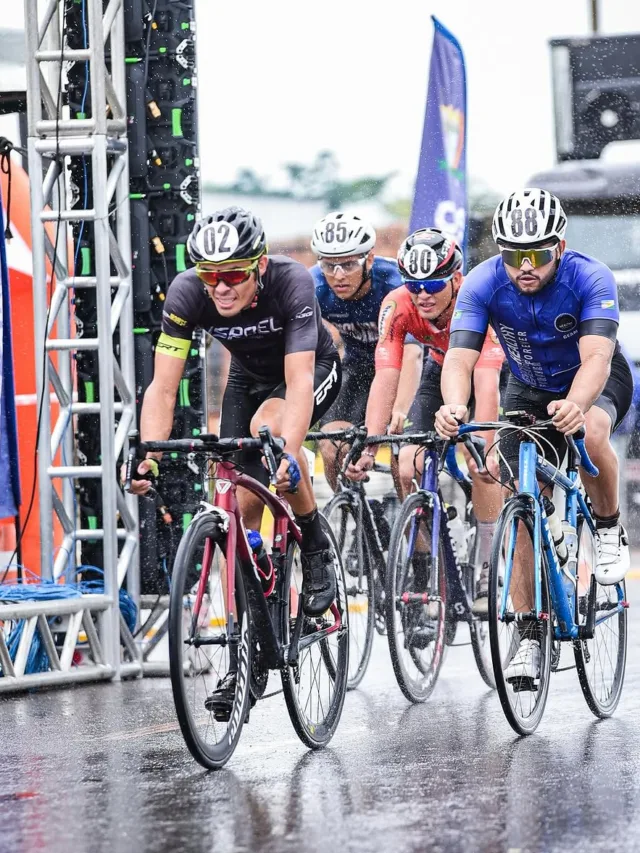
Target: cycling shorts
<point>422,414</point>
<point>244,395</point>
<point>351,403</point>
<point>615,399</point>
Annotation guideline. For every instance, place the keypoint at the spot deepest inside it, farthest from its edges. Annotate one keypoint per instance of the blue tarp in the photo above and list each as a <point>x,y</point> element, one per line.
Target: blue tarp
<point>9,471</point>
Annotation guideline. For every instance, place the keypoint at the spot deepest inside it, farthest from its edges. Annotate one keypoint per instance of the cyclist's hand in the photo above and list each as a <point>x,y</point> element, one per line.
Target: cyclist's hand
<point>358,471</point>
<point>288,474</point>
<point>396,425</point>
<point>141,486</point>
<point>568,417</point>
<point>448,420</point>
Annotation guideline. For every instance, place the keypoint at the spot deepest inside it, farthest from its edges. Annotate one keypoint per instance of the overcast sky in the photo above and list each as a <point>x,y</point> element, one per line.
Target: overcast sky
<point>280,81</point>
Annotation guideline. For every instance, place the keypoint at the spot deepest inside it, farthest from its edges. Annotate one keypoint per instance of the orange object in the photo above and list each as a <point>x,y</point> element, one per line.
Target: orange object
<point>20,264</point>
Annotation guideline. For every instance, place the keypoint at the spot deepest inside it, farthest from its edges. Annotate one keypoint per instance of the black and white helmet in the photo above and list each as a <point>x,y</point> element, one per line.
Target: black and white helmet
<point>529,216</point>
<point>227,236</point>
<point>338,235</point>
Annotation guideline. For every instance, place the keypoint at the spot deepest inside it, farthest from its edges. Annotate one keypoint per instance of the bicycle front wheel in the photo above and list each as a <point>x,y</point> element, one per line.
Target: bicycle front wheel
<point>346,523</point>
<point>416,600</point>
<point>520,650</point>
<point>202,640</point>
<point>600,661</point>
<point>314,679</point>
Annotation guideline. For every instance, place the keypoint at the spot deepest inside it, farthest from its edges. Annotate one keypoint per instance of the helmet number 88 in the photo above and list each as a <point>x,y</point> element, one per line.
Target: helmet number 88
<point>337,233</point>
<point>524,225</point>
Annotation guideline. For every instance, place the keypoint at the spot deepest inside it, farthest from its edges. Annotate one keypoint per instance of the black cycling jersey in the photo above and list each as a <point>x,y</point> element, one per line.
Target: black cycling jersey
<point>285,319</point>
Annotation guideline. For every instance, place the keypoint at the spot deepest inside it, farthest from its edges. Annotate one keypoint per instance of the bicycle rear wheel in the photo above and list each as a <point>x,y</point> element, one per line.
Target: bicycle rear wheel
<point>200,639</point>
<point>315,684</point>
<point>416,600</point>
<point>346,524</point>
<point>600,661</point>
<point>523,699</point>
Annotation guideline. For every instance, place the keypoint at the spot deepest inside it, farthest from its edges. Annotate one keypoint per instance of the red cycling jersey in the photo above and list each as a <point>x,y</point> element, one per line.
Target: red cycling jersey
<point>399,317</point>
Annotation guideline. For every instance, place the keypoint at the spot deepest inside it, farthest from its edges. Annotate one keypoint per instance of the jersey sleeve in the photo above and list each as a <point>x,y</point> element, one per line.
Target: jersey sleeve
<point>471,313</point>
<point>301,312</point>
<point>392,329</point>
<point>491,354</point>
<point>600,297</point>
<point>178,321</point>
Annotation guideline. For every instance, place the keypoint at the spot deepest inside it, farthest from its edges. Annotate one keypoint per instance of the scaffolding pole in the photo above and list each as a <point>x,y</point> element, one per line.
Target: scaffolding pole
<point>53,137</point>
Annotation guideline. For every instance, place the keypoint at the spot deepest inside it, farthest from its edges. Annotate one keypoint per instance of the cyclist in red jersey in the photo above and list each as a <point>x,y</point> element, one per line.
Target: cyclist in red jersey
<point>431,267</point>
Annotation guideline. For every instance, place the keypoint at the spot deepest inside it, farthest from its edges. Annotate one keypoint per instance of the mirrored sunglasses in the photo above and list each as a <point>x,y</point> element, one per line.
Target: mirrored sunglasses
<point>432,285</point>
<point>212,277</point>
<point>331,267</point>
<point>536,257</point>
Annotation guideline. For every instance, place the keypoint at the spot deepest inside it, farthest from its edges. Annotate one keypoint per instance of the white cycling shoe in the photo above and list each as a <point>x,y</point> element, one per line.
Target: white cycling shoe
<point>525,664</point>
<point>613,559</point>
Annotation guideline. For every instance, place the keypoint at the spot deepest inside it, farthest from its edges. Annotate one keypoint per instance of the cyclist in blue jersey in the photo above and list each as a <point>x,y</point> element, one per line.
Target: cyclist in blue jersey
<point>351,284</point>
<point>555,312</point>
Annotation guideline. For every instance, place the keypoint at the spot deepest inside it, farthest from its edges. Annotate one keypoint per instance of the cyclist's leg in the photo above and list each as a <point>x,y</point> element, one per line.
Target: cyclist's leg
<point>318,572</point>
<point>349,408</point>
<point>613,558</point>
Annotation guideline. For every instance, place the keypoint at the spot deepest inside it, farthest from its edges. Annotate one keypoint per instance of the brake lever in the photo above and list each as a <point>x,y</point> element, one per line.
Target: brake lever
<point>473,450</point>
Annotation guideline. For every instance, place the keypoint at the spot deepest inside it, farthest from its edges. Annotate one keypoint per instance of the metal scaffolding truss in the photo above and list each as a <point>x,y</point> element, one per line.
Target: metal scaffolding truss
<point>53,138</point>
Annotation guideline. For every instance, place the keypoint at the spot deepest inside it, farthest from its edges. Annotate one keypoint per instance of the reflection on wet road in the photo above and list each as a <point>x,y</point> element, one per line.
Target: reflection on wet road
<point>103,768</point>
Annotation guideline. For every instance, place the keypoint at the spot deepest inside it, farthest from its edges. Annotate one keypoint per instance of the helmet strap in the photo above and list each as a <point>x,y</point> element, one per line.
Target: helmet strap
<point>366,275</point>
<point>449,303</point>
<point>259,287</point>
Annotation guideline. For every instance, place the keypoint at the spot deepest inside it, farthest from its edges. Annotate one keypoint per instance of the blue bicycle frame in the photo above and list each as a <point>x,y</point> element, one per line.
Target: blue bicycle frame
<point>563,586</point>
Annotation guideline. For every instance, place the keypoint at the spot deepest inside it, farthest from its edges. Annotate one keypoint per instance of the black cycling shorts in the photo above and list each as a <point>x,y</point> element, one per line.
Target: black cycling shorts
<point>243,397</point>
<point>615,400</point>
<point>428,399</point>
<point>351,403</point>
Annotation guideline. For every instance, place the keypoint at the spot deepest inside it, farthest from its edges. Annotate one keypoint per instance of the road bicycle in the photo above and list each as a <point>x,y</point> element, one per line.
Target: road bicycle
<point>362,533</point>
<point>219,610</point>
<point>429,585</point>
<point>543,586</point>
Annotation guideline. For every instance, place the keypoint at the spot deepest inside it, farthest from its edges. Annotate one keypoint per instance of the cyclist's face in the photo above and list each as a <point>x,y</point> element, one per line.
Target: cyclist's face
<point>530,279</point>
<point>431,305</point>
<point>232,299</point>
<point>345,284</point>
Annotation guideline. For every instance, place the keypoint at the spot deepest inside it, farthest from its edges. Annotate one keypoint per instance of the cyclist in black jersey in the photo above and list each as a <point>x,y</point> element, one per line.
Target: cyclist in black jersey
<point>285,371</point>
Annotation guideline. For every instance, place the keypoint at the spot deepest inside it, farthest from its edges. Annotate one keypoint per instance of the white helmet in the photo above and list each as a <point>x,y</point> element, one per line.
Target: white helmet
<point>337,235</point>
<point>529,216</point>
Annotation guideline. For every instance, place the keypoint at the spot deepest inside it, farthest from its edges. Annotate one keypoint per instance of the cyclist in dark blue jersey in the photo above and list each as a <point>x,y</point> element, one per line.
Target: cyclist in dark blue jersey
<point>555,312</point>
<point>556,315</point>
<point>351,284</point>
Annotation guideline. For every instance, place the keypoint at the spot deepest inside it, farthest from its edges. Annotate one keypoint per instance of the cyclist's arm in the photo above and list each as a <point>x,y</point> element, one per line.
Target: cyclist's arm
<point>382,395</point>
<point>388,361</point>
<point>596,353</point>
<point>336,337</point>
<point>156,417</point>
<point>408,383</point>
<point>457,371</point>
<point>298,401</point>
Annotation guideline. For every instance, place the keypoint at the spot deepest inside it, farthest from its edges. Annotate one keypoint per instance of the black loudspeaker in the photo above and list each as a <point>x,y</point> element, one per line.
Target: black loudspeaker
<point>596,83</point>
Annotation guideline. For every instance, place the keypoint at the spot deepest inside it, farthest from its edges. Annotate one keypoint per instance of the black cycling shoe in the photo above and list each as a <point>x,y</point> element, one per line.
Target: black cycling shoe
<point>221,700</point>
<point>318,581</point>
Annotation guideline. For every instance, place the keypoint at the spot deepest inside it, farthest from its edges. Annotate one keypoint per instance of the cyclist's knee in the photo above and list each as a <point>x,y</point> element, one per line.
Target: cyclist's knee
<point>598,429</point>
<point>269,414</point>
<point>407,466</point>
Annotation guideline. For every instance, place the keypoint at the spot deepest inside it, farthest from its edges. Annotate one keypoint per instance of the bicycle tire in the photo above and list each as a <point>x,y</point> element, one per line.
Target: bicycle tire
<point>587,653</point>
<point>337,513</point>
<point>332,654</point>
<point>185,576</point>
<point>517,509</point>
<point>414,618</point>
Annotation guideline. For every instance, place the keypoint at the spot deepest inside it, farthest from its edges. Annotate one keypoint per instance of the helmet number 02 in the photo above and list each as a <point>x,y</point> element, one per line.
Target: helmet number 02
<point>527,224</point>
<point>218,241</point>
<point>335,233</point>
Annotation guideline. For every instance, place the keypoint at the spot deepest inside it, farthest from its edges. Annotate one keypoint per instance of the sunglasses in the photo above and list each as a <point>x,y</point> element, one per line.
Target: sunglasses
<point>330,268</point>
<point>432,285</point>
<point>232,278</point>
<point>536,257</point>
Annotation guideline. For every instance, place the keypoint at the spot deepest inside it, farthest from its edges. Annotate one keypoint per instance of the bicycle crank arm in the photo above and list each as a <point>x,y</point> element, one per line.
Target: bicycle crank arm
<point>220,640</point>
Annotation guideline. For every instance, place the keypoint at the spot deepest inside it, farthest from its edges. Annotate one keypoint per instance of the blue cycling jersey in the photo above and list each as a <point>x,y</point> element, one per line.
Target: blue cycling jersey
<point>539,333</point>
<point>357,319</point>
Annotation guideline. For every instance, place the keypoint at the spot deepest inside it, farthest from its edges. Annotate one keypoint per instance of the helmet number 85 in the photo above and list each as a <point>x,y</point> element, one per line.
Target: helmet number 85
<point>337,233</point>
<point>527,225</point>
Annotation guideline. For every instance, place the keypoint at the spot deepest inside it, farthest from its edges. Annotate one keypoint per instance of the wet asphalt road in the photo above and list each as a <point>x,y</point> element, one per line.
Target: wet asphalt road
<point>103,768</point>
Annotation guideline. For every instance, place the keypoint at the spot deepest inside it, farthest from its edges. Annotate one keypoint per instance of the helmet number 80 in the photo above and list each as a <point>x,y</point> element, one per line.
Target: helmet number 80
<point>421,261</point>
<point>524,225</point>
<point>337,233</point>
